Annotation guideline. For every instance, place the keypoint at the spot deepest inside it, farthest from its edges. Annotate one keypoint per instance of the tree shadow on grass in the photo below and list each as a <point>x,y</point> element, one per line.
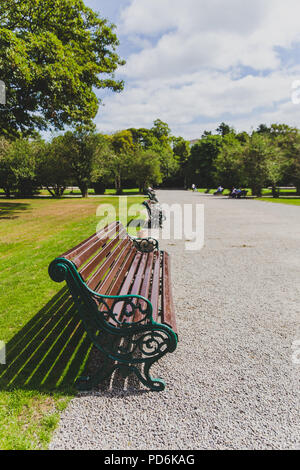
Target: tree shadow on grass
<point>49,352</point>
<point>52,350</point>
<point>10,210</point>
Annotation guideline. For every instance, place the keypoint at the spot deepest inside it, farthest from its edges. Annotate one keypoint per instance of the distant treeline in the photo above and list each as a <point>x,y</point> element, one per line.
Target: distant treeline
<point>269,156</point>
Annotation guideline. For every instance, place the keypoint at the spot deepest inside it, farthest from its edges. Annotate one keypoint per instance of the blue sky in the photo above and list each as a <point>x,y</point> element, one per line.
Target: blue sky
<point>197,63</point>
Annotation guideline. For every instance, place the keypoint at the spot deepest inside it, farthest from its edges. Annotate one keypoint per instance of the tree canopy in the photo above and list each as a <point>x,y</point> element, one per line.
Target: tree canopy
<point>53,54</point>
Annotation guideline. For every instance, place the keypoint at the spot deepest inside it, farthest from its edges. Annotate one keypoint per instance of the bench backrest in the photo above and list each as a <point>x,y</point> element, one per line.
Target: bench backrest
<point>99,257</point>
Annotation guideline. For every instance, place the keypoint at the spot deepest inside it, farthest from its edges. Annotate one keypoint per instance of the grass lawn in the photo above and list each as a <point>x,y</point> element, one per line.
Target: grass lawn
<point>281,200</point>
<point>46,348</point>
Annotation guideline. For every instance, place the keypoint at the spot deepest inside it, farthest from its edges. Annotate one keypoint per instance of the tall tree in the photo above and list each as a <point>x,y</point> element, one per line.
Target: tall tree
<point>120,159</point>
<point>54,169</point>
<point>229,163</point>
<point>53,54</point>
<point>224,129</point>
<point>258,153</point>
<point>202,161</point>
<point>18,167</point>
<point>146,168</point>
<point>181,150</point>
<point>79,150</point>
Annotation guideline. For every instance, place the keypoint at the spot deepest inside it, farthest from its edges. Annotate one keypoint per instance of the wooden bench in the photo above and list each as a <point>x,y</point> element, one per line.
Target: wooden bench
<point>121,286</point>
<point>240,195</point>
<point>155,214</point>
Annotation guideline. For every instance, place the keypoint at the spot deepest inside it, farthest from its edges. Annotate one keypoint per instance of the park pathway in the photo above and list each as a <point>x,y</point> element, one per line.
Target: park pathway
<point>232,382</point>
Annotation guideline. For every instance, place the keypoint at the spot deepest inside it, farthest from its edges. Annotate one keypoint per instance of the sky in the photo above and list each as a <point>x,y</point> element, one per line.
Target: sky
<point>196,63</point>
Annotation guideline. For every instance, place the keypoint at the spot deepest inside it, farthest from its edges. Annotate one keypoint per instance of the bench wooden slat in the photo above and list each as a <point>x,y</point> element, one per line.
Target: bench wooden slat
<point>116,286</point>
<point>96,246</point>
<point>145,288</point>
<point>154,299</point>
<point>168,311</point>
<point>102,271</point>
<point>118,264</point>
<point>99,257</point>
<point>76,250</point>
<point>139,275</point>
<point>125,289</point>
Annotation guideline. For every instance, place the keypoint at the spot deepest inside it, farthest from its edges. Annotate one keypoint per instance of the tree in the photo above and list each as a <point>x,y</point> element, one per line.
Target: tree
<point>53,54</point>
<point>53,167</point>
<point>18,167</point>
<point>258,153</point>
<point>120,159</point>
<point>158,139</point>
<point>229,163</point>
<point>79,150</point>
<point>146,167</point>
<point>143,137</point>
<point>181,151</point>
<point>290,147</point>
<point>7,177</point>
<point>224,129</point>
<point>283,166</point>
<point>202,161</point>
<point>161,130</point>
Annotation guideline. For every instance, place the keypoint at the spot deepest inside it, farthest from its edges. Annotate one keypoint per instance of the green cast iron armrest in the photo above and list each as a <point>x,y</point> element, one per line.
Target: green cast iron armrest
<point>62,269</point>
<point>145,245</point>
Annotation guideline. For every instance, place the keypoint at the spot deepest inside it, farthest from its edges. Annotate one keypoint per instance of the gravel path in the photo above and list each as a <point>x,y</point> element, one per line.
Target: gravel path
<point>232,383</point>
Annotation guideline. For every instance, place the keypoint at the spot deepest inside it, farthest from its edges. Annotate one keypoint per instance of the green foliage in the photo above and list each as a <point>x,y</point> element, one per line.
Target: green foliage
<point>18,164</point>
<point>54,169</point>
<point>256,158</point>
<point>146,166</point>
<point>116,157</point>
<point>79,149</point>
<point>224,129</point>
<point>229,163</point>
<point>202,161</point>
<point>53,54</point>
<point>181,150</point>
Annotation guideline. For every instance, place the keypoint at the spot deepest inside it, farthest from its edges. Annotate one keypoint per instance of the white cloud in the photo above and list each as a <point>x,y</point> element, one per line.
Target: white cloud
<point>190,56</point>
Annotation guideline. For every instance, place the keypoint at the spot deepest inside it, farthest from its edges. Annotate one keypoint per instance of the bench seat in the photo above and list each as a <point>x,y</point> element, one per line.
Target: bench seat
<point>121,286</point>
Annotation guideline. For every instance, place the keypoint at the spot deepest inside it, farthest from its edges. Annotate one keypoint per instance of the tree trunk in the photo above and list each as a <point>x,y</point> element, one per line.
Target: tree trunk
<point>50,191</point>
<point>84,190</point>
<point>275,192</point>
<point>118,185</point>
<point>256,191</point>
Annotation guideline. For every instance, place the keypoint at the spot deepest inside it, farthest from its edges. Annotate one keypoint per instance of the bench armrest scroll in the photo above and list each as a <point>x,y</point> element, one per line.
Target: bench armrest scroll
<point>145,245</point>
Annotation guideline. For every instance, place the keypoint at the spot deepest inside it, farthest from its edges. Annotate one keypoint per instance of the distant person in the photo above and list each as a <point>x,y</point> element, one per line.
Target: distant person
<point>219,190</point>
<point>194,187</point>
<point>233,192</point>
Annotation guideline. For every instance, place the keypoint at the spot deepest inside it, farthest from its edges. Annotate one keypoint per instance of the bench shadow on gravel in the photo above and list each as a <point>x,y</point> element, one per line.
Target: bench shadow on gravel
<point>52,350</point>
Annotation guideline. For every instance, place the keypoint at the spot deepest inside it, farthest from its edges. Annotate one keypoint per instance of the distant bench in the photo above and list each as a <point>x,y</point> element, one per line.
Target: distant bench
<point>122,289</point>
<point>239,195</point>
<point>155,214</point>
<point>152,196</point>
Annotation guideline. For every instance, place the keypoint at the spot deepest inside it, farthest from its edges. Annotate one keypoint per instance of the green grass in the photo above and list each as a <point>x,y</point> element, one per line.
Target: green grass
<point>45,341</point>
<point>281,200</point>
